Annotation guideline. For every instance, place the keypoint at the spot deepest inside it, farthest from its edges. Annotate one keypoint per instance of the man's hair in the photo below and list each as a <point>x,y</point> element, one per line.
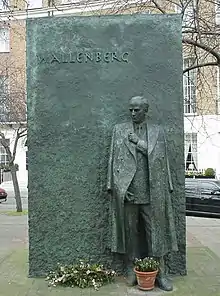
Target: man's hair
<point>143,100</point>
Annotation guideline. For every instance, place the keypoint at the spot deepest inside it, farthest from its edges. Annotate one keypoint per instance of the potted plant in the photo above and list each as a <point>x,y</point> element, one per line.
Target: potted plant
<point>146,270</point>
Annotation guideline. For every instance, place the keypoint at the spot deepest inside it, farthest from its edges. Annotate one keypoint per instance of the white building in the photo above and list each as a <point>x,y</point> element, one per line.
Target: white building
<point>202,123</point>
<point>202,142</point>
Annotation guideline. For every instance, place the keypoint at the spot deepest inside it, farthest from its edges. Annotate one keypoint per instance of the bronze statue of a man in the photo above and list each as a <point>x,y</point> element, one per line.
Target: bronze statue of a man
<point>140,185</point>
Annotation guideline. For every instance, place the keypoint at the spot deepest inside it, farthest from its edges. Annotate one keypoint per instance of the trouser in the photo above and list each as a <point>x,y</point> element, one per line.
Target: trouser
<point>137,222</point>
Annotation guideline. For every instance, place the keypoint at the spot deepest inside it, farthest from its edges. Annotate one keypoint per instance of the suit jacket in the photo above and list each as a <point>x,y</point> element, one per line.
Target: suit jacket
<point>121,170</point>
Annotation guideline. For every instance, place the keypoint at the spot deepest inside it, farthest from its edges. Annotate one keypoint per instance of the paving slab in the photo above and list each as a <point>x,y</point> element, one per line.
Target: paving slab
<point>203,279</point>
<point>203,263</point>
<point>206,231</point>
<point>13,231</point>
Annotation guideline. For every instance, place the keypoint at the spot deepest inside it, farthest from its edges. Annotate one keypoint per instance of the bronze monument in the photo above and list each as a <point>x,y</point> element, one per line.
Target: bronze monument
<point>140,187</point>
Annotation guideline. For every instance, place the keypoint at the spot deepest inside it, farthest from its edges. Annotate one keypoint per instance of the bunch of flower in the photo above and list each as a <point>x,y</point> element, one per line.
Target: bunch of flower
<point>82,275</point>
<point>146,264</point>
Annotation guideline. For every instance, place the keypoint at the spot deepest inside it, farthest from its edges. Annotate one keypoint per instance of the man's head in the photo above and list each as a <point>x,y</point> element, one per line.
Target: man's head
<point>138,107</point>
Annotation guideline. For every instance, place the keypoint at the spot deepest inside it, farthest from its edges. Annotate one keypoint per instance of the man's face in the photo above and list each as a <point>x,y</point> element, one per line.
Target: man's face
<point>138,111</point>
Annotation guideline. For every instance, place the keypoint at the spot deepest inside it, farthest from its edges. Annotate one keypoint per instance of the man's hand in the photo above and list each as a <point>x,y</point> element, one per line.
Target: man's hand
<point>133,138</point>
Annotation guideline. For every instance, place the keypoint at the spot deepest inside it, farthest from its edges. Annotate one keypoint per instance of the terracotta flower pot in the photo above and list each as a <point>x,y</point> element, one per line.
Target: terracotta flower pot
<point>146,280</point>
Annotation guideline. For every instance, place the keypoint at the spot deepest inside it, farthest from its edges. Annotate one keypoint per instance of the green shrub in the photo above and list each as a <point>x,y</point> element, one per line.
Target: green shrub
<point>210,172</point>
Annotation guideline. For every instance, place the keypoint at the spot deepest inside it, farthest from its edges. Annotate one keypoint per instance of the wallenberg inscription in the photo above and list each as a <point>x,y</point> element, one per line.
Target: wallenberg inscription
<point>84,57</point>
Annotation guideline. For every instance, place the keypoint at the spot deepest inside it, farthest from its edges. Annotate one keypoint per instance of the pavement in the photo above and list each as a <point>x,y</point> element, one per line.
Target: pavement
<point>203,264</point>
<point>10,204</point>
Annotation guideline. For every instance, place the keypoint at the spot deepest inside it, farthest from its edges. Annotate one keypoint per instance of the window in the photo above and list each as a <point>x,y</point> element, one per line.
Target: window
<point>31,4</point>
<point>189,87</point>
<point>188,10</point>
<point>4,5</point>
<point>4,40</point>
<point>191,162</point>
<point>4,92</point>
<point>3,155</point>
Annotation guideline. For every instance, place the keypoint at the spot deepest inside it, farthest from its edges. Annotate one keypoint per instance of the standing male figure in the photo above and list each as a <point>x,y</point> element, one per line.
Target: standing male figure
<point>140,185</point>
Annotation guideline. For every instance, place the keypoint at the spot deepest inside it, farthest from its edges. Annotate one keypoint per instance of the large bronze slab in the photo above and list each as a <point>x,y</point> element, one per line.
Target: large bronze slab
<point>81,72</point>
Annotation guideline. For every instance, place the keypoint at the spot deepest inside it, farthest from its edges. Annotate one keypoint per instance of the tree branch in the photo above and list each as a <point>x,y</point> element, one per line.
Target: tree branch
<point>185,6</point>
<point>204,47</point>
<point>158,7</point>
<point>18,136</point>
<point>205,33</point>
<point>200,66</point>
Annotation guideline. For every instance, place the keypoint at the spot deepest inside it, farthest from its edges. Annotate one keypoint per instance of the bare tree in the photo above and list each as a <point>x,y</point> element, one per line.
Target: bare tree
<point>12,117</point>
<point>201,33</point>
<point>20,132</point>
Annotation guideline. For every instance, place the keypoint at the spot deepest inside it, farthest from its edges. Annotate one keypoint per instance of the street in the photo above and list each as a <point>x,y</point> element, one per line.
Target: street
<point>8,186</point>
<point>10,203</point>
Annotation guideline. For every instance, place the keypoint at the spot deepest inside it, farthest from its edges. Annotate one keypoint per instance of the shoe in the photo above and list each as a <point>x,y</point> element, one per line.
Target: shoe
<point>164,283</point>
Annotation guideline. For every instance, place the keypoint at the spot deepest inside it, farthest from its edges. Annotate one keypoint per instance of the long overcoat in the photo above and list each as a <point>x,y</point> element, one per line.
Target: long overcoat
<point>121,170</point>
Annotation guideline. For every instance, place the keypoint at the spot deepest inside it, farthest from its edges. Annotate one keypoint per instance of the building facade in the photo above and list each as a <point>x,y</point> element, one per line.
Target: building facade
<point>201,85</point>
<point>12,90</point>
<point>201,88</point>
